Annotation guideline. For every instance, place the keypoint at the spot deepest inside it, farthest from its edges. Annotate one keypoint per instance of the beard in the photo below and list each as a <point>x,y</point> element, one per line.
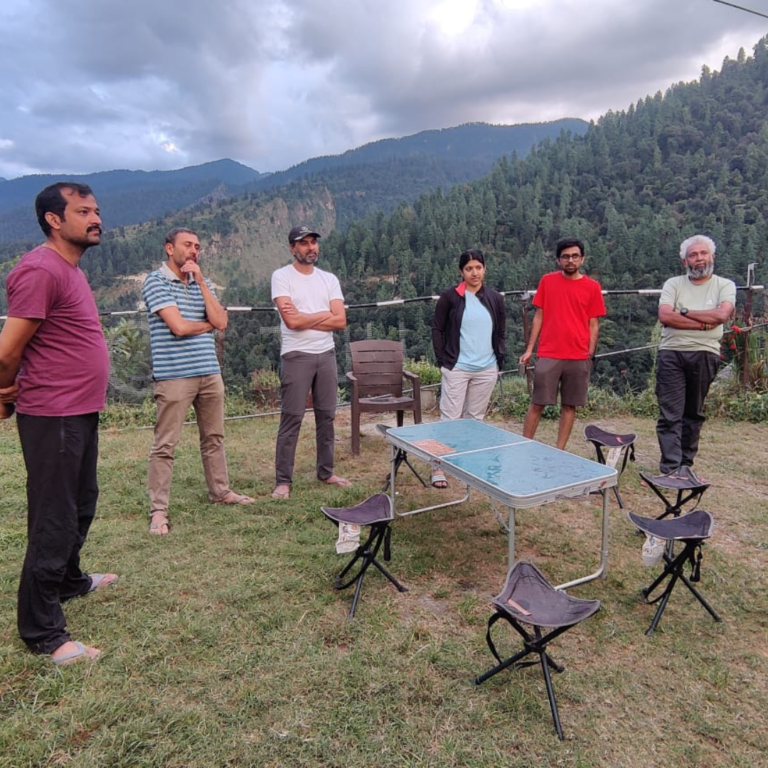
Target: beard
<point>698,272</point>
<point>306,259</point>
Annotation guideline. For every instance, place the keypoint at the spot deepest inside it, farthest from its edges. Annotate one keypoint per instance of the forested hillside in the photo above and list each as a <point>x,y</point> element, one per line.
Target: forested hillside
<point>693,159</point>
<point>374,177</point>
<point>408,167</point>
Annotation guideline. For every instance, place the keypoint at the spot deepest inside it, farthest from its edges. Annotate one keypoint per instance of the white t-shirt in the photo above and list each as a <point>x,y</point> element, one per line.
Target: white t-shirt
<point>309,293</point>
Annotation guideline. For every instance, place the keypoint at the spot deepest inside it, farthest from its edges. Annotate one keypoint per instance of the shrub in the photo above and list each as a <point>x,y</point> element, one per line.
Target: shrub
<point>265,378</point>
<point>426,371</point>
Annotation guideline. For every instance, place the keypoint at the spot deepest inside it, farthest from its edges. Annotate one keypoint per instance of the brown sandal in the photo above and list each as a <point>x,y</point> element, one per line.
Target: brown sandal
<point>159,524</point>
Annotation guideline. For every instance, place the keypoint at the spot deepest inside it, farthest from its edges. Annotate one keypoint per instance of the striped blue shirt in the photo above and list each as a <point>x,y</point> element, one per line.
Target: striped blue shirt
<point>177,357</point>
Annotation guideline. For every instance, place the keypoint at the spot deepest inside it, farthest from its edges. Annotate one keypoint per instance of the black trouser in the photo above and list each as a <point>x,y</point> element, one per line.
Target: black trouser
<point>682,382</point>
<point>60,454</point>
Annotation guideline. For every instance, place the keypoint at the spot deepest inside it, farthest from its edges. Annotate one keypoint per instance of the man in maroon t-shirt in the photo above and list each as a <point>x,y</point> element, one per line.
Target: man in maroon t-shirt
<point>566,324</point>
<point>54,366</point>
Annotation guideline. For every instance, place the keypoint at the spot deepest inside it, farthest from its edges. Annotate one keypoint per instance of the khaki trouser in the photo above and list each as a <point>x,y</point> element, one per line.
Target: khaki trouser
<point>466,393</point>
<point>173,398</point>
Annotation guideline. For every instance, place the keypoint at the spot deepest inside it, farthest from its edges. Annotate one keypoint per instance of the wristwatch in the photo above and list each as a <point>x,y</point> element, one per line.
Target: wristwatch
<point>683,311</point>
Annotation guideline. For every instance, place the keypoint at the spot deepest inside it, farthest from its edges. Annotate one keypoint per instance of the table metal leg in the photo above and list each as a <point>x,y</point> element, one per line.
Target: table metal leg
<point>393,475</point>
<point>603,569</point>
<point>511,534</point>
<point>451,503</point>
<point>393,492</point>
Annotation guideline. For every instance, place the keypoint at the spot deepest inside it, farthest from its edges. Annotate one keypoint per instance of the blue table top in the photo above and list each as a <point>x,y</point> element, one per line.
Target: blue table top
<point>511,468</point>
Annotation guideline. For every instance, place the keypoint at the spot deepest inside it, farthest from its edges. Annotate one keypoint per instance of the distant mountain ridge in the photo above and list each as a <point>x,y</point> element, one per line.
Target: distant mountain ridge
<point>480,142</point>
<point>125,197</point>
<point>405,168</point>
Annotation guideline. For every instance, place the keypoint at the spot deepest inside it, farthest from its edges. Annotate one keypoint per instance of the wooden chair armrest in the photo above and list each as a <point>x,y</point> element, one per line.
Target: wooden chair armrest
<point>414,378</point>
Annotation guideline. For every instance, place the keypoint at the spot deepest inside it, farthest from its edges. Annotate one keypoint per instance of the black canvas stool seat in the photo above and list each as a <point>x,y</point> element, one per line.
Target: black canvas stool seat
<point>376,512</point>
<point>401,457</point>
<point>684,483</point>
<point>528,598</point>
<point>692,530</point>
<point>613,450</point>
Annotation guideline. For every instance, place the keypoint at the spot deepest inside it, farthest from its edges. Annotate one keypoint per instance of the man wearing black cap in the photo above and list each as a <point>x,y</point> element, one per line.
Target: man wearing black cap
<point>311,307</point>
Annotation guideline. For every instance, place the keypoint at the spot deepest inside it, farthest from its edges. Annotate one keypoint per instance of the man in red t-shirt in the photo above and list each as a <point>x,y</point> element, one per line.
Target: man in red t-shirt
<point>566,325</point>
<point>54,365</point>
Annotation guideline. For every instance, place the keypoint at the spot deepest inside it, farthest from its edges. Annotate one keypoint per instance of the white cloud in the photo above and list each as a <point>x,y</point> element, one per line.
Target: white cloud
<point>97,84</point>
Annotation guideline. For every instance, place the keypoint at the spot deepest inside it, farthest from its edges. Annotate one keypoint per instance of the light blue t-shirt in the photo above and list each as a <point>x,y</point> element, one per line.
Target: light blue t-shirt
<point>475,342</point>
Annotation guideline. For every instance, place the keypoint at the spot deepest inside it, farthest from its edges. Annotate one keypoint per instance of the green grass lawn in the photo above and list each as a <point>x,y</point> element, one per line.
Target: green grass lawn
<point>226,645</point>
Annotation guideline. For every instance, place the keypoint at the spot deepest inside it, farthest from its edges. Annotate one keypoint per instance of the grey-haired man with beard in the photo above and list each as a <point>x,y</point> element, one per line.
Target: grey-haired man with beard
<point>692,310</point>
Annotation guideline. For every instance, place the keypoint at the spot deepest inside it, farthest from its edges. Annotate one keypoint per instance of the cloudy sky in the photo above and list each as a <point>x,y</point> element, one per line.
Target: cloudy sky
<point>89,85</point>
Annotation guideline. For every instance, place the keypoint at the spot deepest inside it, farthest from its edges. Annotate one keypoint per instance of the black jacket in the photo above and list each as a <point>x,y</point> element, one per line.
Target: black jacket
<point>446,325</point>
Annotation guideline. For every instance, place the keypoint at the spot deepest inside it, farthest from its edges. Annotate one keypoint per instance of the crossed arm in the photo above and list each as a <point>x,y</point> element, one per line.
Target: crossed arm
<point>695,319</point>
<point>334,319</point>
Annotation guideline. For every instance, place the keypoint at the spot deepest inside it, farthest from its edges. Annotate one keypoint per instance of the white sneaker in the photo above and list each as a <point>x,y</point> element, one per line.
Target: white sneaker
<point>653,550</point>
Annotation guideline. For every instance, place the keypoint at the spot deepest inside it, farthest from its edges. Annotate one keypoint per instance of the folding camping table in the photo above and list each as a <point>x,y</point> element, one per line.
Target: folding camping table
<point>513,471</point>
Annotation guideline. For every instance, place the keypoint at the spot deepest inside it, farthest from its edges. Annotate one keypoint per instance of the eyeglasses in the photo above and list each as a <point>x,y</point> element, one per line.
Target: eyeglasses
<point>570,257</point>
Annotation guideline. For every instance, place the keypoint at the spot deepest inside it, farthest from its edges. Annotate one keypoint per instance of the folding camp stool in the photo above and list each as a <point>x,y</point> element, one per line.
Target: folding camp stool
<point>401,457</point>
<point>612,449</point>
<point>376,512</point>
<point>690,529</point>
<point>528,598</point>
<point>684,482</point>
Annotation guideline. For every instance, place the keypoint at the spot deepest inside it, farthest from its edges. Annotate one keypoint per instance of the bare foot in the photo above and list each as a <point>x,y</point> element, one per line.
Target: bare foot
<point>236,498</point>
<point>159,525</point>
<point>438,480</point>
<point>341,482</point>
<point>99,580</point>
<point>72,651</point>
<point>282,492</point>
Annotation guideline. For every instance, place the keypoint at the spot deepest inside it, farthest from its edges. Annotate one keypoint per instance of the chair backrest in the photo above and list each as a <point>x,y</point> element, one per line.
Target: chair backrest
<point>378,367</point>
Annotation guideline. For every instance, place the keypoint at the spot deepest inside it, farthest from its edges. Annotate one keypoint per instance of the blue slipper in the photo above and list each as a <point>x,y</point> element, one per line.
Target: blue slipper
<point>97,580</point>
<point>79,653</point>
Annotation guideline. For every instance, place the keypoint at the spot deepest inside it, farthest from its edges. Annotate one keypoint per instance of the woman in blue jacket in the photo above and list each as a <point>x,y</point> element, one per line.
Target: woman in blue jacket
<point>468,335</point>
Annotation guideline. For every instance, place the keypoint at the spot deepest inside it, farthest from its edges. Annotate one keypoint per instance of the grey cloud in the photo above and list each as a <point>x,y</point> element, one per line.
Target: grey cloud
<point>96,84</point>
<point>602,58</point>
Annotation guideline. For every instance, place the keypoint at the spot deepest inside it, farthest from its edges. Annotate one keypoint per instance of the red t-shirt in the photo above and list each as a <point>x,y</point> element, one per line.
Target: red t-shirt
<point>65,366</point>
<point>567,306</point>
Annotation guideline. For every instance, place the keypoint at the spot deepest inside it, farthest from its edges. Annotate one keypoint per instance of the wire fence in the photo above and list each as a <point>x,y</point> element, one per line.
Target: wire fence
<point>249,349</point>
<point>251,343</point>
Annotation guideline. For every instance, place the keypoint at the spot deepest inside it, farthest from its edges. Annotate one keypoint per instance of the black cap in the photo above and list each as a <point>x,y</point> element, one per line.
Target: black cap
<point>298,233</point>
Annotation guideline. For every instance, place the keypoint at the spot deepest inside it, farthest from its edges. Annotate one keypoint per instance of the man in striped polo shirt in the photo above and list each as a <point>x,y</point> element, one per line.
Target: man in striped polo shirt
<point>183,312</point>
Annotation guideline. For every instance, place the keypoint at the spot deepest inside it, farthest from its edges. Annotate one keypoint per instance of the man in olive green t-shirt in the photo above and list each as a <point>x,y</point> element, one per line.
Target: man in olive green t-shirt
<point>692,310</point>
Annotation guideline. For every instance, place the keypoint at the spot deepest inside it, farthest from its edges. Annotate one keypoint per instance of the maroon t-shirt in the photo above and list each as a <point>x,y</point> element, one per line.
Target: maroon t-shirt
<point>65,366</point>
